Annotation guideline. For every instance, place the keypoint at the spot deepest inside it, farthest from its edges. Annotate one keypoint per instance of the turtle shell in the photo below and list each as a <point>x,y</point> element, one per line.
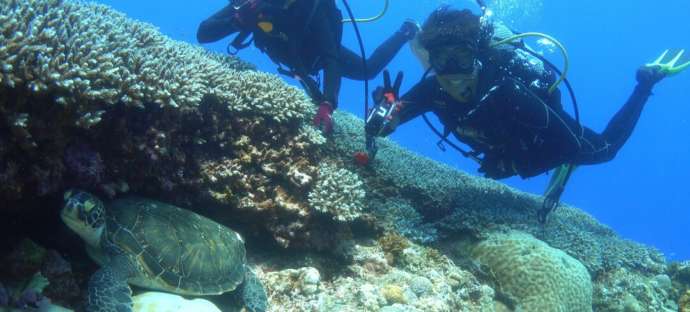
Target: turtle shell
<point>174,249</point>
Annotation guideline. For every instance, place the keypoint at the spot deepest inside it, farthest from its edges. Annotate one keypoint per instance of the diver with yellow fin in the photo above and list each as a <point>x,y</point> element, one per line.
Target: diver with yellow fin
<point>504,104</point>
<point>305,36</point>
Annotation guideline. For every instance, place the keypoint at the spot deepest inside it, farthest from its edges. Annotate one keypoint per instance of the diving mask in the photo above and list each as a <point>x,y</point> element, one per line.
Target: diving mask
<point>461,85</point>
<point>453,60</point>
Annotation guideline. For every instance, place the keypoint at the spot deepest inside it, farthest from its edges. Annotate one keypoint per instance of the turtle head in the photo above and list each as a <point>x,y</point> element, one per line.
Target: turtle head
<point>84,213</point>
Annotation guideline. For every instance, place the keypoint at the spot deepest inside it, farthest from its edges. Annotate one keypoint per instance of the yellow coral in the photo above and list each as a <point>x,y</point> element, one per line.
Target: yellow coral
<point>393,294</point>
<point>684,302</point>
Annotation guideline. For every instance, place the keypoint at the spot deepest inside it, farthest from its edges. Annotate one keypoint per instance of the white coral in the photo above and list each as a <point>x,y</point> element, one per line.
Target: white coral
<point>338,192</point>
<point>91,53</point>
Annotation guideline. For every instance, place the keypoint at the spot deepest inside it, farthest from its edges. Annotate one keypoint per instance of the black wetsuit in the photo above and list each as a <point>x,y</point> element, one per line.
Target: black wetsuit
<point>515,125</point>
<point>304,49</point>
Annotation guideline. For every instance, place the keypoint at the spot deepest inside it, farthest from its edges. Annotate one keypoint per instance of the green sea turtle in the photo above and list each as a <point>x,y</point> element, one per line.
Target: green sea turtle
<point>157,246</point>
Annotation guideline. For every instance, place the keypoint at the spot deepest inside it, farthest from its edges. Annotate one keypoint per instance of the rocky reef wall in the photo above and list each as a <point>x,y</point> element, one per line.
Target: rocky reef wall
<point>91,99</point>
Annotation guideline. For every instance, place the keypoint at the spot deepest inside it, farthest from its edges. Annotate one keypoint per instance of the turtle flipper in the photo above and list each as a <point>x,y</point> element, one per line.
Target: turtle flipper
<point>108,292</point>
<point>253,293</point>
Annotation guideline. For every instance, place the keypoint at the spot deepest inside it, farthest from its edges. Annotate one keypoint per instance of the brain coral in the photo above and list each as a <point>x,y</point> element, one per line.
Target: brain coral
<point>338,192</point>
<point>537,276</point>
<point>87,52</point>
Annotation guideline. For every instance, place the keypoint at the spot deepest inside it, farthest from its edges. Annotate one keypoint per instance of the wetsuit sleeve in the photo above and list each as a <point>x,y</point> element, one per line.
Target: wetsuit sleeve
<point>326,39</point>
<point>351,62</point>
<point>417,101</point>
<point>218,26</point>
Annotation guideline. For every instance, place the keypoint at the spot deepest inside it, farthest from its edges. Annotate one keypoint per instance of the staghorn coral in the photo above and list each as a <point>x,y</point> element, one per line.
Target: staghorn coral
<point>338,192</point>
<point>538,277</point>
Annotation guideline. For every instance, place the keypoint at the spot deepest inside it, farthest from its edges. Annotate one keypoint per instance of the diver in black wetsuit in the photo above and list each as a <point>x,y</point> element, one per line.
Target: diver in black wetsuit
<point>305,36</point>
<point>497,100</point>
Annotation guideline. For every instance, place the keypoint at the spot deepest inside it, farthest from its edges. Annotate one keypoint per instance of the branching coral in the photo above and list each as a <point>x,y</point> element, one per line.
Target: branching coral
<point>159,116</point>
<point>338,192</point>
<point>89,53</point>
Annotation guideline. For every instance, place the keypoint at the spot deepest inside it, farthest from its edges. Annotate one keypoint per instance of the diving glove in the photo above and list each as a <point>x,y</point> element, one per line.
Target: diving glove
<point>324,118</point>
<point>654,72</point>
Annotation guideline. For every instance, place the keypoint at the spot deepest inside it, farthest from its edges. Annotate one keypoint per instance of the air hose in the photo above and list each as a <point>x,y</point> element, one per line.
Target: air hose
<point>369,19</point>
<point>560,46</point>
<point>363,54</point>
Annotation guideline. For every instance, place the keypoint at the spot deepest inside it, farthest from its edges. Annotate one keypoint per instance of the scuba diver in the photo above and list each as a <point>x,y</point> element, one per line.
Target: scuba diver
<point>305,36</point>
<point>502,102</point>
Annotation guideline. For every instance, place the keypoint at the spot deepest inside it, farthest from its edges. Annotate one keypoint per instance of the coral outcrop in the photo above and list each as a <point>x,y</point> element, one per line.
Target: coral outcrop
<point>684,303</point>
<point>91,98</point>
<point>421,280</point>
<point>537,276</point>
<point>622,291</point>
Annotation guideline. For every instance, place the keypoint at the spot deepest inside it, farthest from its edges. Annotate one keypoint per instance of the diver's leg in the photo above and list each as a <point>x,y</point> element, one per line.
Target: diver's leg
<point>598,148</point>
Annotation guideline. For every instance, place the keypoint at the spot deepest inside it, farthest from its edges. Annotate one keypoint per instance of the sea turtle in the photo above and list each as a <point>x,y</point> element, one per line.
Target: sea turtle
<point>157,246</point>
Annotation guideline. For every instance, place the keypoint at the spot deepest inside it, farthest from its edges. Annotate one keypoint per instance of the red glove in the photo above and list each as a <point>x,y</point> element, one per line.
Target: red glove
<point>323,119</point>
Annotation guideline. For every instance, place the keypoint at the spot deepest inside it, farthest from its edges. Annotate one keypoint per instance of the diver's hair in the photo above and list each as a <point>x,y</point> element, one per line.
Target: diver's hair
<point>447,26</point>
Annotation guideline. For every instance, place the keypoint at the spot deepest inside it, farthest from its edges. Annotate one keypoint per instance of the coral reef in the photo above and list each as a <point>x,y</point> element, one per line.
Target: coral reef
<point>422,280</point>
<point>32,275</point>
<point>680,272</point>
<point>90,97</point>
<point>338,192</point>
<point>684,302</point>
<point>537,276</point>
<point>84,164</point>
<point>621,291</point>
<point>67,65</point>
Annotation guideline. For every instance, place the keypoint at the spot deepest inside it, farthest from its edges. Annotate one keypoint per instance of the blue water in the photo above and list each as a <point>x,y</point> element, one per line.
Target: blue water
<point>643,193</point>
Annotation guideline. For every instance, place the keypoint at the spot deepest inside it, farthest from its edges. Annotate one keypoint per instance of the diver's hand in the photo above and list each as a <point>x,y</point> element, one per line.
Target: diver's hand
<point>324,117</point>
<point>409,29</point>
<point>651,73</point>
<point>387,106</point>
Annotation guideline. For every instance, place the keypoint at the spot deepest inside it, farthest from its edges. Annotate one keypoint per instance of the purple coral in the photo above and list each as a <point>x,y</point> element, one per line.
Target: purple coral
<point>30,298</point>
<point>4,296</point>
<point>55,265</point>
<point>84,164</point>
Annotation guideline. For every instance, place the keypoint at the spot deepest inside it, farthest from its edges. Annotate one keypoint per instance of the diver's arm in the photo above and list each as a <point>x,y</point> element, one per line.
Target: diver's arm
<point>415,102</point>
<point>218,26</point>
